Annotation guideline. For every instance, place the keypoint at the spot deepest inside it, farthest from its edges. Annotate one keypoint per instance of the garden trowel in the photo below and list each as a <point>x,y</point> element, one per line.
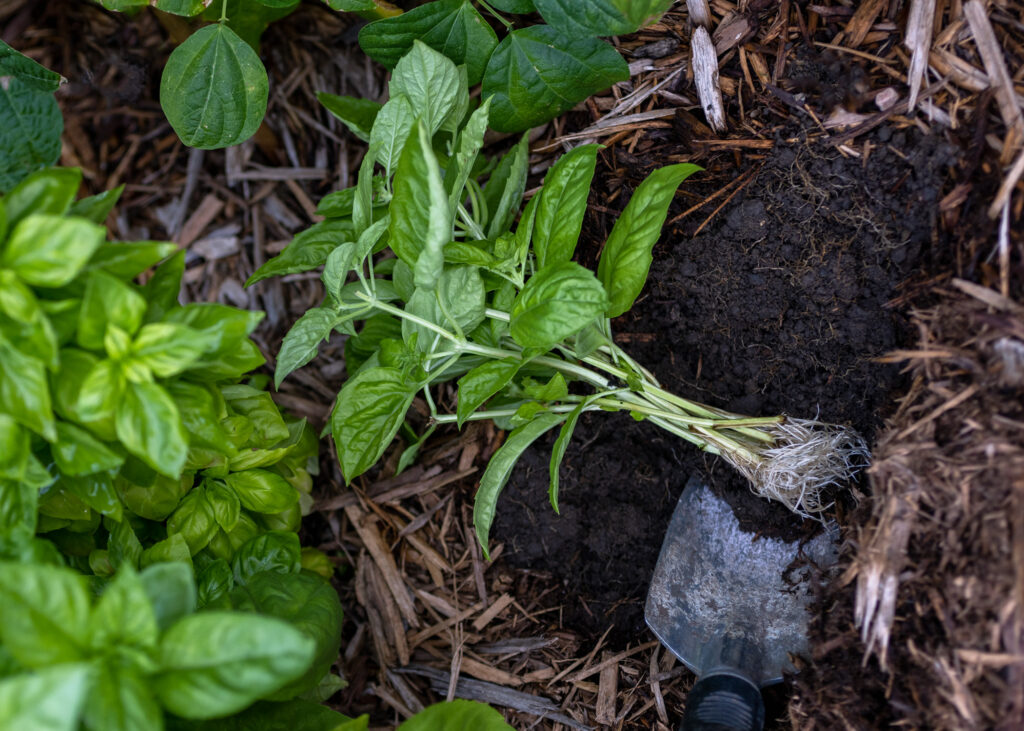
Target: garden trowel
<point>731,607</point>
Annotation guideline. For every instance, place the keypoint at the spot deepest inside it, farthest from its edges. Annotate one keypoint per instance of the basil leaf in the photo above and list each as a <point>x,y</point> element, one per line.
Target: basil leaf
<point>301,343</point>
<point>366,417</point>
<point>100,392</point>
<point>482,382</point>
<point>562,205</point>
<point>591,17</point>
<point>44,616</point>
<point>500,468</point>
<point>167,348</point>
<point>262,491</point>
<point>558,301</point>
<point>431,83</point>
<point>107,301</point>
<point>214,89</point>
<point>217,663</point>
<point>171,550</point>
<point>123,546</point>
<point>96,491</point>
<point>123,615</point>
<point>355,113</point>
<point>47,192</point>
<point>537,73</point>
<point>225,504</point>
<point>504,191</point>
<point>77,452</point>
<point>276,551</point>
<point>49,699</point>
<point>457,304</point>
<point>171,590</point>
<point>25,393</point>
<point>164,287</point>
<point>213,584</point>
<point>202,408</point>
<point>194,519</point>
<point>471,139</point>
<point>521,7</point>
<point>455,715</point>
<point>127,259</point>
<point>308,250</point>
<point>97,207</point>
<point>120,700</point>
<point>626,258</point>
<point>149,426</point>
<point>48,251</point>
<point>261,411</point>
<point>155,501</point>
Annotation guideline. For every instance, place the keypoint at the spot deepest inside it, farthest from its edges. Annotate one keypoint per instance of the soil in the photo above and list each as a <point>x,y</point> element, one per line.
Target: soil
<point>779,305</point>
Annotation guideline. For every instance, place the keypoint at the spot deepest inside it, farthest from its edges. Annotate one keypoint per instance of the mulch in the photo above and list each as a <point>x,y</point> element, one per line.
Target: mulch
<point>934,557</point>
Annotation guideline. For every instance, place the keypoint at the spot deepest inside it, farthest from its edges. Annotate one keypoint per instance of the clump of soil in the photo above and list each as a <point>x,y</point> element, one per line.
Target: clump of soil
<point>777,306</point>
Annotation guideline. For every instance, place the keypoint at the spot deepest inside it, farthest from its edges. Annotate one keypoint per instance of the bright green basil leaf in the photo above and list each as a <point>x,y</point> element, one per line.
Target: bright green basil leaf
<point>194,519</point>
<point>156,501</point>
<point>500,468</point>
<point>276,551</point>
<point>225,503</point>
<point>452,27</point>
<point>127,259</point>
<point>308,250</point>
<point>459,168</point>
<point>77,452</point>
<point>359,348</point>
<point>366,417</point>
<point>213,583</point>
<point>214,89</point>
<point>24,391</point>
<point>230,353</point>
<point>641,13</point>
<point>558,451</point>
<point>49,700</point>
<point>504,190</point>
<point>554,390</point>
<point>457,304</point>
<point>261,411</point>
<point>170,550</point>
<point>48,251</point>
<point>123,615</point>
<point>96,491</point>
<point>201,409</point>
<point>119,699</point>
<point>224,545</point>
<point>421,222</point>
<point>217,663</point>
<point>354,112</point>
<point>562,205</point>
<point>97,207</point>
<point>558,301</point>
<point>362,202</point>
<point>455,716</point>
<point>100,394</point>
<point>521,7</point>
<point>262,491</point>
<point>481,383</point>
<point>297,714</point>
<point>108,301</point>
<point>589,18</point>
<point>301,343</point>
<point>167,348</point>
<point>44,615</point>
<point>307,603</point>
<point>30,129</point>
<point>537,73</point>
<point>626,258</point>
<point>171,590</point>
<point>431,83</point>
<point>49,192</point>
<point>164,287</point>
<point>149,426</point>
<point>123,546</point>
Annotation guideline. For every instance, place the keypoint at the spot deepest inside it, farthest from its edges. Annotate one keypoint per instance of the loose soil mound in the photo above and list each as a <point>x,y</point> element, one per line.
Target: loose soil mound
<point>777,306</point>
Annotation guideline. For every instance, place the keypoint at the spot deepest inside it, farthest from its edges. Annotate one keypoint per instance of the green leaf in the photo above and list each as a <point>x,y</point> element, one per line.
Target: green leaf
<point>77,452</point>
<point>149,426</point>
<point>194,520</point>
<point>500,468</point>
<point>390,131</point>
<point>156,501</point>
<point>214,89</point>
<point>482,382</point>
<point>308,250</point>
<point>537,73</point>
<point>558,451</point>
<point>589,18</point>
<point>430,82</point>
<point>48,251</point>
<point>366,417</point>
<point>23,68</point>
<point>451,27</point>
<point>626,258</point>
<point>421,222</point>
<point>225,503</point>
<point>562,205</point>
<point>44,615</point>
<point>30,129</point>
<point>555,389</point>
<point>167,348</point>
<point>120,700</point>
<point>301,343</point>
<point>460,166</point>
<point>25,393</point>
<point>171,590</point>
<point>260,410</point>
<point>275,551</point>
<point>47,192</point>
<point>164,287</point>
<point>262,491</point>
<point>458,304</point>
<point>309,604</point>
<point>97,207</point>
<point>170,550</point>
<point>354,112</point>
<point>359,348</point>
<point>100,394</point>
<point>123,615</point>
<point>514,6</point>
<point>123,546</point>
<point>217,663</point>
<point>128,259</point>
<point>96,491</point>
<point>455,716</point>
<point>213,583</point>
<point>641,13</point>
<point>294,715</point>
<point>504,191</point>
<point>49,700</point>
<point>558,301</point>
<point>108,301</point>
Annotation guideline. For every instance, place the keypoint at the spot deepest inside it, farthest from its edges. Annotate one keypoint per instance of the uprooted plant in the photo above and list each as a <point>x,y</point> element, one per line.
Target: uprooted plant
<point>506,312</point>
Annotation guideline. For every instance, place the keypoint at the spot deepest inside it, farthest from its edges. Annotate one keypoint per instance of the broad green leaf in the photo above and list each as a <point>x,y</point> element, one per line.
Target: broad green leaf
<point>97,207</point>
<point>562,205</point>
<point>163,289</point>
<point>514,6</point>
<point>366,417</point>
<point>217,663</point>
<point>123,546</point>
<point>587,18</point>
<point>626,258</point>
<point>309,604</point>
<point>30,129</point>
<point>297,714</point>
<point>499,469</point>
<point>127,259</point>
<point>537,73</point>
<point>171,590</point>
<point>555,389</point>
<point>202,408</point>
<point>44,615</point>
<point>194,520</point>
<point>460,166</point>
<point>77,452</point>
<point>421,222</point>
<point>301,343</point>
<point>456,715</point>
<point>167,348</point>
<point>108,301</point>
<point>354,112</point>
<point>47,192</point>
<point>262,491</point>
<point>149,426</point>
<point>213,583</point>
<point>24,69</point>
<point>123,615</point>
<point>119,699</point>
<point>558,301</point>
<point>156,501</point>
<point>504,191</point>
<point>275,551</point>
<point>229,353</point>
<point>430,82</point>
<point>49,700</point>
<point>101,392</point>
<point>225,503</point>
<point>458,304</point>
<point>261,412</point>
<point>96,491</point>
<point>48,251</point>
<point>25,393</point>
<point>451,27</point>
<point>225,544</point>
<point>214,89</point>
<point>170,550</point>
<point>249,18</point>
<point>481,383</point>
<point>308,250</point>
<point>641,13</point>
<point>359,348</point>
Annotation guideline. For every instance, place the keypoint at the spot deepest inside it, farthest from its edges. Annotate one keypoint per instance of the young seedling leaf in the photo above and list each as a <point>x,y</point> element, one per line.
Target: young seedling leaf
<point>354,112</point>
<point>627,258</point>
<point>558,301</point>
<point>214,89</point>
<point>562,205</point>
<point>482,382</point>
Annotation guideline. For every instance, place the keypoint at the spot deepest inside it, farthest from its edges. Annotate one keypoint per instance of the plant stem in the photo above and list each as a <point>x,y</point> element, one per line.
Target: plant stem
<point>496,14</point>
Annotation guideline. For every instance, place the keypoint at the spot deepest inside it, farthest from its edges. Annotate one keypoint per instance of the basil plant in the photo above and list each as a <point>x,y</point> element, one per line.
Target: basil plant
<point>433,280</point>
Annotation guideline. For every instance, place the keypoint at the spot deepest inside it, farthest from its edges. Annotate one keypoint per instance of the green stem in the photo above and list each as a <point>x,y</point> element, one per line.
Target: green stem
<point>224,11</point>
<point>496,14</point>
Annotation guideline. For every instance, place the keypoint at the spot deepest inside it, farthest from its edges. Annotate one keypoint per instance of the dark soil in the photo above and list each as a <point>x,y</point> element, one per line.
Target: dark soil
<point>779,305</point>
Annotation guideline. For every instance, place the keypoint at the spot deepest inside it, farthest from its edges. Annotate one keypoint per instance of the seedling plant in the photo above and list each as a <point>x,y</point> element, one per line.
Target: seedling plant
<point>447,287</point>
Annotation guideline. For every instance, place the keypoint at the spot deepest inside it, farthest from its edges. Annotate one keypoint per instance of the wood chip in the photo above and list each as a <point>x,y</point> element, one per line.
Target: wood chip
<point>385,562</point>
<point>608,689</point>
<point>705,75</point>
<point>493,611</point>
<point>202,217</point>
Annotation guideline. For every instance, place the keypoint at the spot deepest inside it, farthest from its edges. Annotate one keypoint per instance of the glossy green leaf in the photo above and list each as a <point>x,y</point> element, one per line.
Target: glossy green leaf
<point>460,166</point>
<point>456,715</point>
<point>23,68</point>
<point>171,590</point>
<point>156,501</point>
<point>504,191</point>
<point>308,250</point>
<point>30,129</point>
<point>48,700</point>
<point>47,192</point>
<point>481,383</point>
<point>100,394</point>
<point>430,82</point>
<point>558,301</point>
<point>274,551</point>
<point>123,615</point>
<point>499,469</point>
<point>25,393</point>
<point>626,258</point>
<point>586,17</point>
<point>77,452</point>
<point>123,546</point>
<point>214,89</point>
<point>537,73</point>
<point>294,715</point>
<point>119,699</point>
<point>107,301</point>
<point>213,583</point>
<point>44,615</point>
<point>174,549</point>
<point>97,207</point>
<point>127,259</point>
<point>641,13</point>
<point>354,112</point>
<point>301,343</point>
<point>366,417</point>
<point>260,411</point>
<point>96,491</point>
<point>217,663</point>
<point>229,353</point>
<point>562,205</point>
<point>149,427</point>
<point>48,251</point>
<point>225,504</point>
<point>262,491</point>
<point>168,348</point>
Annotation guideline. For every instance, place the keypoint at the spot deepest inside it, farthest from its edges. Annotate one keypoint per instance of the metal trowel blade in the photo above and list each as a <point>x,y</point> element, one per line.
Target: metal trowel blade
<point>721,597</point>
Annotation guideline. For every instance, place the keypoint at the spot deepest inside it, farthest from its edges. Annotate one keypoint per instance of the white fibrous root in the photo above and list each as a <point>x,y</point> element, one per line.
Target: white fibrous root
<point>808,457</point>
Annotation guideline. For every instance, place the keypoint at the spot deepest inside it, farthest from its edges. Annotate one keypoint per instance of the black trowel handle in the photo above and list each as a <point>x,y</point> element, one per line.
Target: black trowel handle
<point>724,702</point>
